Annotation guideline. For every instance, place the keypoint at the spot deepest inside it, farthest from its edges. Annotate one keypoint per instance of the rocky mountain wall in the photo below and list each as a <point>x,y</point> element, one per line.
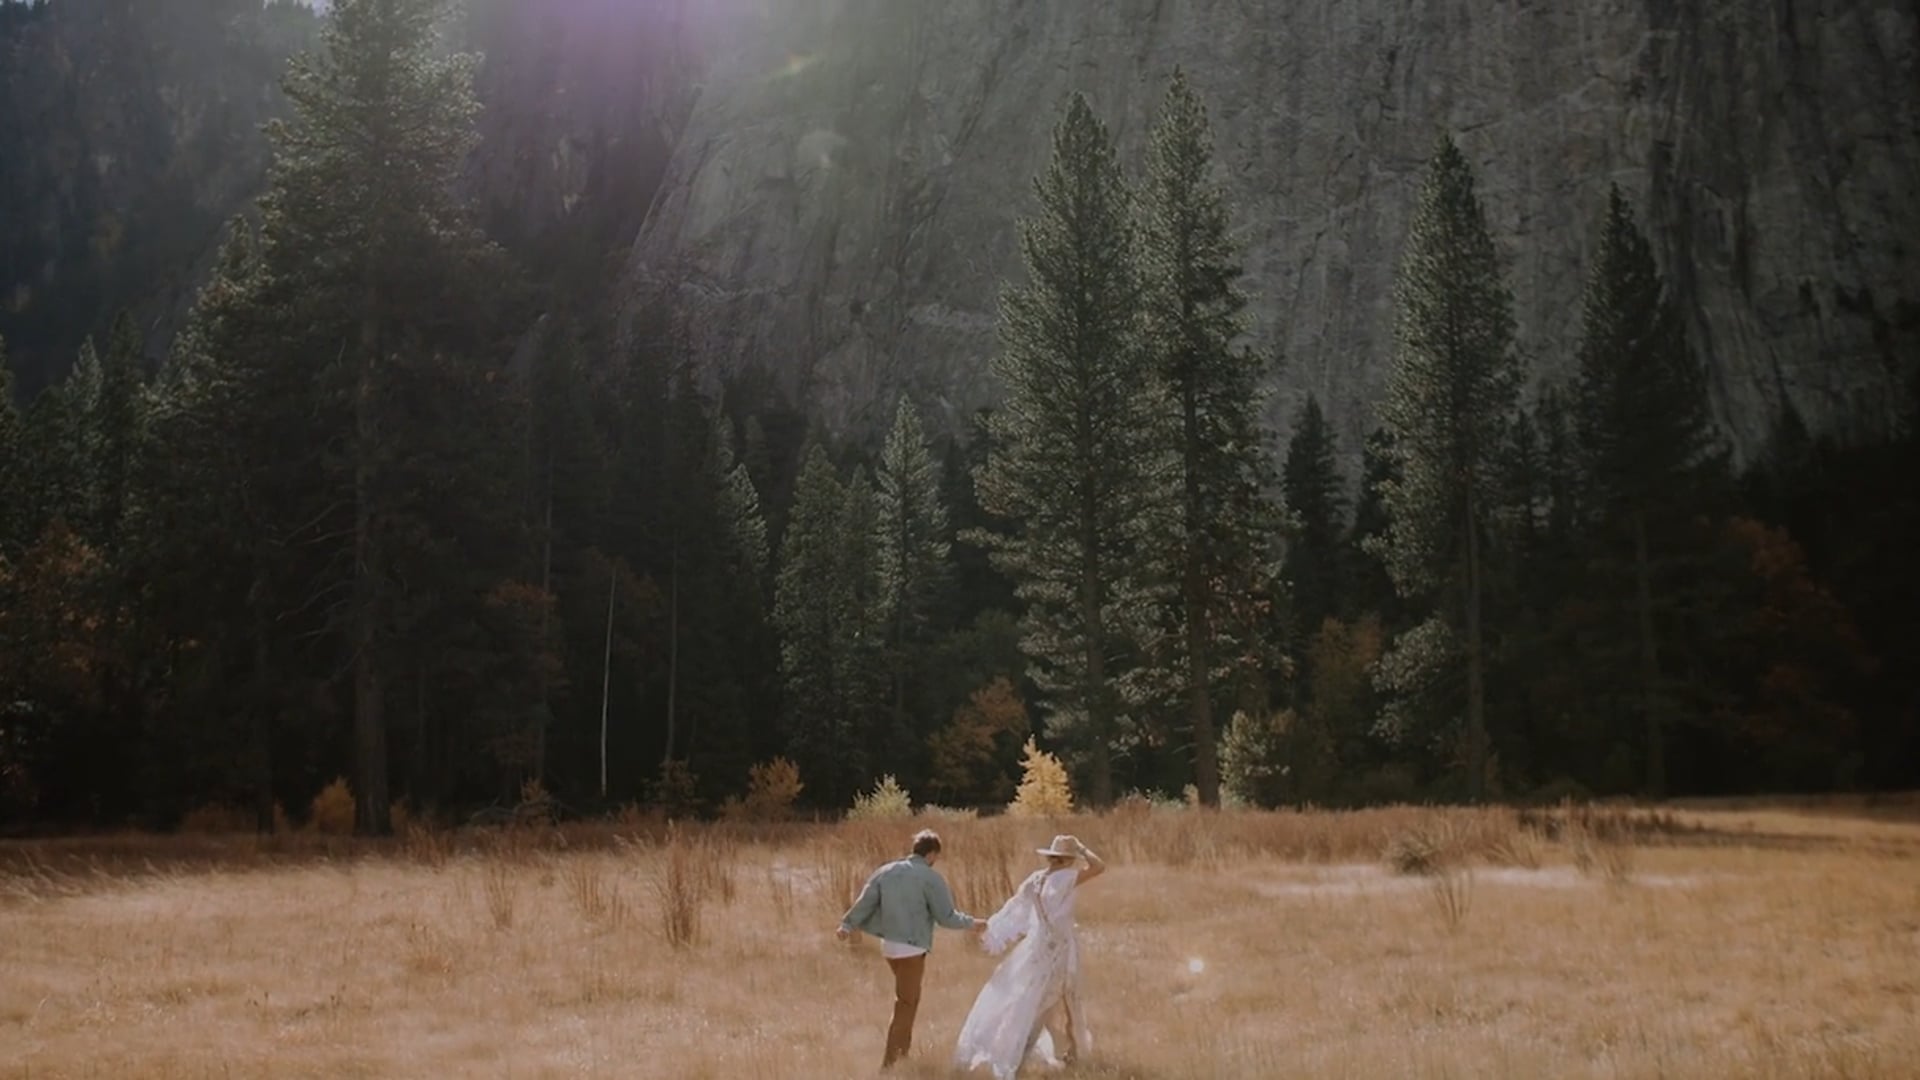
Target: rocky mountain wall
<point>841,207</point>
<point>129,133</point>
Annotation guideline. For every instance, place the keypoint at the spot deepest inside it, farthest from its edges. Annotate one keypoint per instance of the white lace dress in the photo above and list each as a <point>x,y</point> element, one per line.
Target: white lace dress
<point>1007,1026</point>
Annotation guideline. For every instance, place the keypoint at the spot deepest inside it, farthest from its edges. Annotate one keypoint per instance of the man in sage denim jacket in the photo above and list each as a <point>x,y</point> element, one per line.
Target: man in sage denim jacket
<point>900,905</point>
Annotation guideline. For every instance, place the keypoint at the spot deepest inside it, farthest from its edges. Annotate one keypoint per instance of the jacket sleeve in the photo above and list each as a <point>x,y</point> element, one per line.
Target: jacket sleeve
<point>863,908</point>
<point>940,903</point>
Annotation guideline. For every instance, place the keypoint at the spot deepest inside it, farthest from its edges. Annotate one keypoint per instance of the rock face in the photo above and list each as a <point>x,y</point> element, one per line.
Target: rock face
<point>841,208</point>
<point>129,133</point>
<point>584,102</point>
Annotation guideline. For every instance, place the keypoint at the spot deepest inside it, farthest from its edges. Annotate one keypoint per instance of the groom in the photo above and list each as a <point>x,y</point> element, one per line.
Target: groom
<point>900,904</point>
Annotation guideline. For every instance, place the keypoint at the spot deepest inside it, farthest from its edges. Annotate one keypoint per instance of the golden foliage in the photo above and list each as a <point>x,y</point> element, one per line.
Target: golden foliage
<point>1044,789</point>
<point>966,754</point>
<point>331,812</point>
<point>772,788</point>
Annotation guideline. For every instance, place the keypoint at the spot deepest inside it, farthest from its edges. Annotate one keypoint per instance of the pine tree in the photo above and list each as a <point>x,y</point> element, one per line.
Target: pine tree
<point>224,450</point>
<point>1370,587</point>
<point>1194,315</point>
<point>1641,416</point>
<point>58,438</point>
<point>116,422</point>
<point>1454,381</point>
<point>1317,560</point>
<point>374,275</point>
<point>745,524</point>
<point>1075,461</point>
<point>565,489</point>
<point>910,551</point>
<point>859,654</point>
<point>811,609</point>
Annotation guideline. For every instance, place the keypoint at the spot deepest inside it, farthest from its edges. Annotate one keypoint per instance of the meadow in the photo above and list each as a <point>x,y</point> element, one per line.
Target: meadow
<point>1730,940</point>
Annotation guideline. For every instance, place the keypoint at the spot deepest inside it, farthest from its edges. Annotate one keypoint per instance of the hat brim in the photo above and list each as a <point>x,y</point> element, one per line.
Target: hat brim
<point>1052,854</point>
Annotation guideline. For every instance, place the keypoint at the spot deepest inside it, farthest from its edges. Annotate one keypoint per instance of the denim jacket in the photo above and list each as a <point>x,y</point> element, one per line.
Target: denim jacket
<point>901,903</point>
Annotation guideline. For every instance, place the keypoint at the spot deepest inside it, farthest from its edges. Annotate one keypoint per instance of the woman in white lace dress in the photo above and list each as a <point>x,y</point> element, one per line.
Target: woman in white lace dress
<point>1030,1009</point>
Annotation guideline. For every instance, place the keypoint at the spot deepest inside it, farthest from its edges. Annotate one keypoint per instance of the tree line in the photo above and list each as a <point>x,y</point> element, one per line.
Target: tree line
<point>361,523</point>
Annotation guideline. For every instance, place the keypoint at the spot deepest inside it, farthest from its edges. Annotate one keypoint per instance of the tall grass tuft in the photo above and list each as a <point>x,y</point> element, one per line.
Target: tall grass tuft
<point>594,896</point>
<point>498,886</point>
<point>780,891</point>
<point>1423,849</point>
<point>1451,891</point>
<point>679,890</point>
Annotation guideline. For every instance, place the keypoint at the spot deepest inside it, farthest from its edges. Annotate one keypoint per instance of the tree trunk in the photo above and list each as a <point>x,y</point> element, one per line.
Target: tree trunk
<point>1206,763</point>
<point>1096,700</point>
<point>1649,660</point>
<point>673,649</point>
<point>369,705</point>
<point>260,726</point>
<point>546,613</point>
<point>1476,682</point>
<point>606,678</point>
<point>899,665</point>
<point>421,788</point>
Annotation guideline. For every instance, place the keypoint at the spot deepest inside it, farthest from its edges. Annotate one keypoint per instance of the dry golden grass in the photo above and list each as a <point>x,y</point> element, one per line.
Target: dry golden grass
<point>1235,945</point>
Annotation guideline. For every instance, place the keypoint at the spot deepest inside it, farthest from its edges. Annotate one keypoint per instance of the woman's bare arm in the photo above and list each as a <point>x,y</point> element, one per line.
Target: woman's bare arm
<point>1095,866</point>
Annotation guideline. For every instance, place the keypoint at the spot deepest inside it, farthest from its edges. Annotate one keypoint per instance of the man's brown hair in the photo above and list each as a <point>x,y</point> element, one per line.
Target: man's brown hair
<point>926,842</point>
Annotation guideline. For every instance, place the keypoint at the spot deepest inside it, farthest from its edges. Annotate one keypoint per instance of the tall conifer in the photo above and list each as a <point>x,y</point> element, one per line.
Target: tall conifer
<point>1455,381</point>
<point>1076,462</point>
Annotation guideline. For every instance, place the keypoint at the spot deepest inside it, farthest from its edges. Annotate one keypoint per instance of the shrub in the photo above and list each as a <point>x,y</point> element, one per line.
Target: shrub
<point>1253,759</point>
<point>536,806</point>
<point>948,813</point>
<point>887,801</point>
<point>1133,806</point>
<point>675,790</point>
<point>970,757</point>
<point>1044,789</point>
<point>332,810</point>
<point>772,788</point>
<point>1141,804</point>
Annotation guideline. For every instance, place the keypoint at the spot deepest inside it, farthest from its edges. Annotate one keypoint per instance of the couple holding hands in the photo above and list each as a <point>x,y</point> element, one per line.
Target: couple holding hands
<point>1029,1010</point>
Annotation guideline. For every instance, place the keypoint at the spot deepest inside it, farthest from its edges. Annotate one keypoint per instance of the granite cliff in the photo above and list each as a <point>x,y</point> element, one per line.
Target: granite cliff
<point>840,208</point>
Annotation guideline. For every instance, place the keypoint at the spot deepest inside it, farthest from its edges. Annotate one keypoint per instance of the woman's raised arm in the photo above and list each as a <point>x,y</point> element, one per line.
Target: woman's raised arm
<point>1095,866</point>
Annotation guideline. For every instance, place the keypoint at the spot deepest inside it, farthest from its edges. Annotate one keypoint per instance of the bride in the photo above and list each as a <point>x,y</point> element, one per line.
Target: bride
<point>1030,1009</point>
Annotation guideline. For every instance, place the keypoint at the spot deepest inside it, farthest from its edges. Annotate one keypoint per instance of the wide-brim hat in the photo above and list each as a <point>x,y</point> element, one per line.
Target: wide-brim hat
<point>1062,848</point>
